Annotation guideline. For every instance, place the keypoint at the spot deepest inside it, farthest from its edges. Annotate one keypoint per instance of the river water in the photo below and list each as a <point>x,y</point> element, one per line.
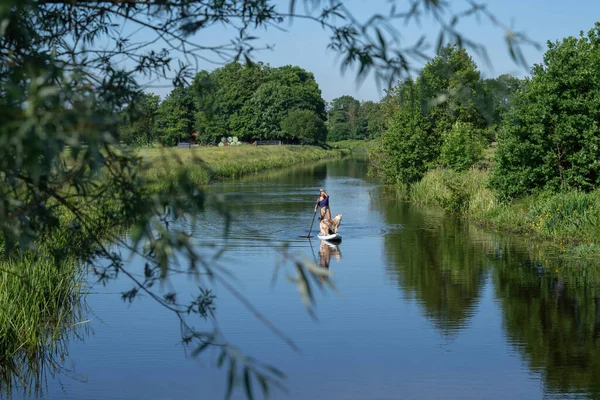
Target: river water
<point>426,306</point>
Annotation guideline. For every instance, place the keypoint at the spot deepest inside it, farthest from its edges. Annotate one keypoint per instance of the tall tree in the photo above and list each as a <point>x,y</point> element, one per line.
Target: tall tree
<point>410,146</point>
<point>370,120</point>
<point>174,119</point>
<point>343,118</point>
<point>250,101</point>
<point>495,98</point>
<point>287,88</point>
<point>550,138</point>
<point>451,82</point>
<point>222,100</point>
<point>305,127</point>
<point>139,117</point>
<point>447,97</point>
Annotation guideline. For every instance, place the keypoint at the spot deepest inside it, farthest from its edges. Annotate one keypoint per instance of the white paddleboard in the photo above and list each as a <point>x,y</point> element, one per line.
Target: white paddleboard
<point>335,236</point>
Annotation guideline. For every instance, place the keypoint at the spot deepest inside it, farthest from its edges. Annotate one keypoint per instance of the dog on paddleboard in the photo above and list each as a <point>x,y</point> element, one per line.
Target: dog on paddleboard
<point>330,226</point>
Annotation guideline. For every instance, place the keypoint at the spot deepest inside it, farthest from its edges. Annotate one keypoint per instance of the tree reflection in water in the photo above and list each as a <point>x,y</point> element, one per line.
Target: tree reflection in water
<point>550,304</point>
<point>435,263</point>
<point>551,312</point>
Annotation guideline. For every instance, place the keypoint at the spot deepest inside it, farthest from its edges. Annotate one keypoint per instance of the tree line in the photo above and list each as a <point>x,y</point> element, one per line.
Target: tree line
<point>546,126</point>
<point>252,102</point>
<point>446,116</point>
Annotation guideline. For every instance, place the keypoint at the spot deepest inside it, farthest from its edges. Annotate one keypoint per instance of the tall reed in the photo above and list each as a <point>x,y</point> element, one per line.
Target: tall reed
<point>40,306</point>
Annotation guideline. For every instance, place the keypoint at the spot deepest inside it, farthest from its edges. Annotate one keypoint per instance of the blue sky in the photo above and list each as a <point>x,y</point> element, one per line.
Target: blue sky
<point>305,43</point>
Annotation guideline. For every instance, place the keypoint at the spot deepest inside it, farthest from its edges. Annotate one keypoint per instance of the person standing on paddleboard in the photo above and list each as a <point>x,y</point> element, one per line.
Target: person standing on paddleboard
<point>323,202</point>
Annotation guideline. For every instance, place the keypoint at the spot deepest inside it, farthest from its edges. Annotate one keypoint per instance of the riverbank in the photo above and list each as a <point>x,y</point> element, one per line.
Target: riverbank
<point>571,220</point>
<point>205,165</point>
<point>356,146</point>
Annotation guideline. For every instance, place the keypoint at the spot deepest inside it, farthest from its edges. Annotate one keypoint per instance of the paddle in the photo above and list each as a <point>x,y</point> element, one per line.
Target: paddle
<point>311,225</point>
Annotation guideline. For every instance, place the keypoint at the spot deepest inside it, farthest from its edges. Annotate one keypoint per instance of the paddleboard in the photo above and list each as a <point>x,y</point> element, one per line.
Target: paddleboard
<point>335,236</point>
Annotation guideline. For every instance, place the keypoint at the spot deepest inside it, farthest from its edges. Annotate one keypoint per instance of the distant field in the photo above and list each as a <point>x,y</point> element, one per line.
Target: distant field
<point>208,164</point>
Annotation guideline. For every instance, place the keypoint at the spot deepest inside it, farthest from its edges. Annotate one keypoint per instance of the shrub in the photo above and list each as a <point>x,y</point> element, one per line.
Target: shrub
<point>462,147</point>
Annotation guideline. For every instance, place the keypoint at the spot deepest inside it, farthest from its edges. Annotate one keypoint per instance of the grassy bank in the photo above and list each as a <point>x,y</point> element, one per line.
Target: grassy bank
<point>571,218</point>
<point>209,164</point>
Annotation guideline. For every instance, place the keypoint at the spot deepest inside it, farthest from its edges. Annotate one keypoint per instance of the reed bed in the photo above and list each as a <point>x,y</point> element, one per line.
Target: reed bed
<point>40,305</point>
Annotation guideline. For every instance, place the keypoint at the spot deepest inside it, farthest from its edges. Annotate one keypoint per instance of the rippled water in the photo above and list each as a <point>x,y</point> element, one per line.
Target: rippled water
<point>428,306</point>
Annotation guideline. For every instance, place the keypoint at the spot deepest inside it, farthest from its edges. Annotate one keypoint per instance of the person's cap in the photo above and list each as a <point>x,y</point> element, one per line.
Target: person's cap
<point>321,190</point>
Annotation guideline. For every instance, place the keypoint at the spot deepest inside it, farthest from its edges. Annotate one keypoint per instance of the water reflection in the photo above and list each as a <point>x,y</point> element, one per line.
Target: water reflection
<point>326,251</point>
<point>551,312</point>
<point>550,305</point>
<point>434,262</point>
<point>549,308</point>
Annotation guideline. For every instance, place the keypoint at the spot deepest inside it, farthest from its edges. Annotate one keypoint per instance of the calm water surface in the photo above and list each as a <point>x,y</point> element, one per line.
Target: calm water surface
<point>428,307</point>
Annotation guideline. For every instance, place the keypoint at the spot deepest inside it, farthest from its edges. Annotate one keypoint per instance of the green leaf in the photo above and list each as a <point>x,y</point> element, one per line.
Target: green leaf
<point>248,383</point>
<point>221,358</point>
<point>200,348</point>
<point>230,379</point>
<point>263,385</point>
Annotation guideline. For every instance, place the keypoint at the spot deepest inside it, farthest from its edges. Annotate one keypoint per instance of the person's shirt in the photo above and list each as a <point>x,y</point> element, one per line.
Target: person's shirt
<point>324,202</point>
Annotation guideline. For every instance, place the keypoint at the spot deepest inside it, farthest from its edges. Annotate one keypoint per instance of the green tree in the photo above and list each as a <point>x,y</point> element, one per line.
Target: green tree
<point>409,146</point>
<point>173,124</point>
<point>139,116</point>
<point>222,100</point>
<point>495,98</point>
<point>343,118</point>
<point>287,88</point>
<point>451,82</point>
<point>250,101</point>
<point>174,117</point>
<point>421,113</point>
<point>304,126</point>
<point>371,119</point>
<point>550,138</point>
